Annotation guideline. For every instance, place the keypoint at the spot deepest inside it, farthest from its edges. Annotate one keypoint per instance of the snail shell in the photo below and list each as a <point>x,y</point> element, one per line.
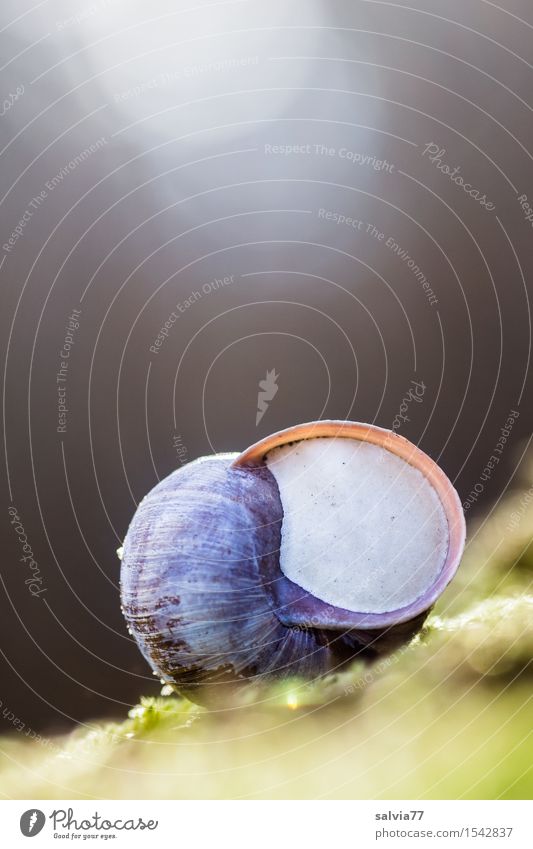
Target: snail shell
<point>321,543</point>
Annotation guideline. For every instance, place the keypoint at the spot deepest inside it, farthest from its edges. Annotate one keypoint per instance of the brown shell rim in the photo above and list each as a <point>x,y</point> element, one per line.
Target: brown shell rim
<point>413,455</point>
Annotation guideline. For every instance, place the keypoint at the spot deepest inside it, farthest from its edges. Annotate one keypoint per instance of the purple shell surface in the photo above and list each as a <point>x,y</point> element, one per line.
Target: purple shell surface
<point>199,564</point>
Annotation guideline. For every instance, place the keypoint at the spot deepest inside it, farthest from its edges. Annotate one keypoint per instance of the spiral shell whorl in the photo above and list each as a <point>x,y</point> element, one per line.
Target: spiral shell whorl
<point>193,590</point>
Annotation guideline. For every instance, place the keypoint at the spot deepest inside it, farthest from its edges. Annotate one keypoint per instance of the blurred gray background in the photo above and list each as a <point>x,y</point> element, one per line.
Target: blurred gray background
<point>222,189</point>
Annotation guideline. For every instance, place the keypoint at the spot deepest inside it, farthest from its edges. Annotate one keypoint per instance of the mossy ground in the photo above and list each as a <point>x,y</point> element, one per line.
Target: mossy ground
<point>450,716</point>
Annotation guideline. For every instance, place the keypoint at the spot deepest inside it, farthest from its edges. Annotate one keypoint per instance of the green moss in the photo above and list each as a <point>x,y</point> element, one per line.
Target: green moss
<point>447,716</point>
